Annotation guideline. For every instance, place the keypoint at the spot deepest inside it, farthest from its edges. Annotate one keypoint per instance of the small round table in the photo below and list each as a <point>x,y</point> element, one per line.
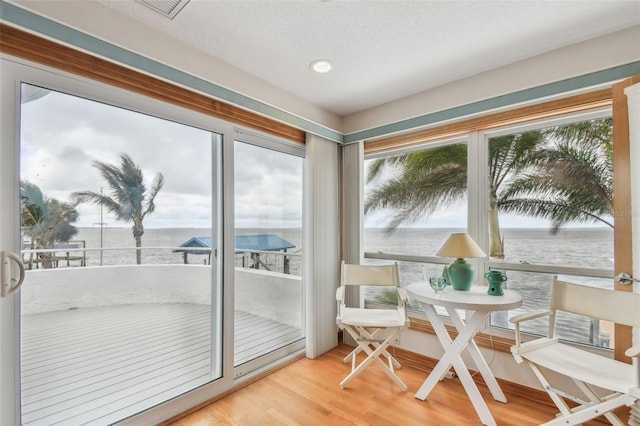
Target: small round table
<point>481,304</point>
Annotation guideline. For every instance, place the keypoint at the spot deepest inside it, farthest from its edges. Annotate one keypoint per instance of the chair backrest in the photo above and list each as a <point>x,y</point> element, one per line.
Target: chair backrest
<point>621,307</point>
<point>374,275</point>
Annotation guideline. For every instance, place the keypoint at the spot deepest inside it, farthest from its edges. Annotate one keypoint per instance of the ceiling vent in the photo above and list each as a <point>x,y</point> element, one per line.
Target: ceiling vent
<point>168,8</point>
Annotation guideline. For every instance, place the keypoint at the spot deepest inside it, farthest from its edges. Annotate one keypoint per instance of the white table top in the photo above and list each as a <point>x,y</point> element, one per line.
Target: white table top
<point>476,299</point>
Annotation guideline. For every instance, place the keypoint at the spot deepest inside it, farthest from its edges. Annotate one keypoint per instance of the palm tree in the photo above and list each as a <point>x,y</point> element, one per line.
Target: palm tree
<point>435,178</point>
<point>572,180</point>
<point>129,200</point>
<point>508,155</point>
<point>563,174</point>
<point>45,220</point>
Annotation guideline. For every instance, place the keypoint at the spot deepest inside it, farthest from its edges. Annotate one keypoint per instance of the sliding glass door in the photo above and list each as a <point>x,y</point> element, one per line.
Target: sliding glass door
<point>269,295</point>
<point>121,305</point>
<point>162,252</point>
<point>116,216</point>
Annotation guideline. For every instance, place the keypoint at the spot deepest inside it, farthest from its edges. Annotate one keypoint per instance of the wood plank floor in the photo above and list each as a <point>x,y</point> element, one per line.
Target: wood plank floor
<point>307,393</point>
<point>100,365</point>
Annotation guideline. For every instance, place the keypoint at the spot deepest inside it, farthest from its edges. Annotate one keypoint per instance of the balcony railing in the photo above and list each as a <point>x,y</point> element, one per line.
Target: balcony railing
<point>101,343</point>
<point>73,255</point>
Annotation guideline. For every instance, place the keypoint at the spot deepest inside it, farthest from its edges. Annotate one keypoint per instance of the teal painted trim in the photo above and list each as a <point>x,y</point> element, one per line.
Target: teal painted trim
<point>580,82</point>
<point>39,24</point>
<point>34,22</point>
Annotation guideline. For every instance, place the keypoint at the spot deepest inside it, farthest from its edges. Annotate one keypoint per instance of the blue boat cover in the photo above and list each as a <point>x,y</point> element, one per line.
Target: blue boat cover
<point>266,242</point>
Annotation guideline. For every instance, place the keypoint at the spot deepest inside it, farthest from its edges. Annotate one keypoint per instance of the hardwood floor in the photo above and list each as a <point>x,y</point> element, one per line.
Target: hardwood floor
<point>307,393</point>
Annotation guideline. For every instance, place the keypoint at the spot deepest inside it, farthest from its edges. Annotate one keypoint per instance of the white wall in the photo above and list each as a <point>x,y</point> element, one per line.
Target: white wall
<point>93,18</point>
<point>503,365</point>
<point>576,60</point>
<point>600,53</point>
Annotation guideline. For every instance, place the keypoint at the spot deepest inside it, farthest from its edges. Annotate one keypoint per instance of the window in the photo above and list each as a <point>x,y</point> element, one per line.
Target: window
<point>546,209</point>
<point>413,201</point>
<point>550,198</point>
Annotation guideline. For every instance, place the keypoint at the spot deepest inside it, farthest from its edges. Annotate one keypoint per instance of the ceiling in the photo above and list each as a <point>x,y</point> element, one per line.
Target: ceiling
<point>381,50</point>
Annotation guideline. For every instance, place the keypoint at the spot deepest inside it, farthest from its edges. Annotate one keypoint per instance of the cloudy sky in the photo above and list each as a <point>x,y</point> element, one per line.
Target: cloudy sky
<point>62,135</point>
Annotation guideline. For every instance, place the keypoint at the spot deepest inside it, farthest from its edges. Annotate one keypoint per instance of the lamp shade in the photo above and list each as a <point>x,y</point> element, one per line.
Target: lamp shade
<point>460,245</point>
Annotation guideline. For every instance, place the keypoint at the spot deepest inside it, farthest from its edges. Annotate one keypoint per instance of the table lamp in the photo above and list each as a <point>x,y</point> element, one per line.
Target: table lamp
<point>460,245</point>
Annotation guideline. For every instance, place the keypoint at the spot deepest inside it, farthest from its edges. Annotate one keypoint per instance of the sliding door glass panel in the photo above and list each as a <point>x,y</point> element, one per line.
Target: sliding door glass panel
<point>268,251</point>
<point>119,227</point>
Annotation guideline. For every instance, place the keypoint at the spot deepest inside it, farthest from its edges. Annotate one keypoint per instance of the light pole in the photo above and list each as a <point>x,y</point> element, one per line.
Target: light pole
<point>101,226</point>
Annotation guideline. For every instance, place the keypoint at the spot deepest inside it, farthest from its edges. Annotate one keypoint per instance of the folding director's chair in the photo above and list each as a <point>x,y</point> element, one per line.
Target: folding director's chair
<point>373,329</point>
<point>591,373</point>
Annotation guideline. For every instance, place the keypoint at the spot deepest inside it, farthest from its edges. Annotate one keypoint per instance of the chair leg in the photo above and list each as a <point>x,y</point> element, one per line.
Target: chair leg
<point>371,337</point>
<point>595,399</point>
<point>593,411</point>
<point>595,407</point>
<point>351,355</point>
<point>365,341</point>
<point>557,400</point>
<point>363,332</point>
<point>357,349</point>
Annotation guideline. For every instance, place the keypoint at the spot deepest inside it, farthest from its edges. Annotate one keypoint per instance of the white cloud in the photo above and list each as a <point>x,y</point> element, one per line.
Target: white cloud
<point>62,136</point>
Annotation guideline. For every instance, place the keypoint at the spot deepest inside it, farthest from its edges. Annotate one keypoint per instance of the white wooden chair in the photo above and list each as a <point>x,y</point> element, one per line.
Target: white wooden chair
<point>592,373</point>
<point>373,329</point>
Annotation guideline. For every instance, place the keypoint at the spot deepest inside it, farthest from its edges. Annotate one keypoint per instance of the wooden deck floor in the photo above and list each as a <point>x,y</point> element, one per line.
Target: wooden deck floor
<point>100,365</point>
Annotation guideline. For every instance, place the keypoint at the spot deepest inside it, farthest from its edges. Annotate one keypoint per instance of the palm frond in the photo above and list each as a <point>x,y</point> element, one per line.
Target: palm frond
<point>419,193</point>
<point>156,186</point>
<point>559,212</point>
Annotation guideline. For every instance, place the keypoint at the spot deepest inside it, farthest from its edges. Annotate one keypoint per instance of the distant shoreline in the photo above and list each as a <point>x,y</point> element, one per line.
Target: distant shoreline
<point>572,228</point>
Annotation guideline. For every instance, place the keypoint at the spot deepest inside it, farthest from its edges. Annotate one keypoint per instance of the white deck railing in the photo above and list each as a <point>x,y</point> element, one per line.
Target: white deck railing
<point>271,295</point>
<point>70,256</point>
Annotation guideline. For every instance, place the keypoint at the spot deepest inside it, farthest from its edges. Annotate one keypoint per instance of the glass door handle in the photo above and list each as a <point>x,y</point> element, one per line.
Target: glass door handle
<point>9,285</point>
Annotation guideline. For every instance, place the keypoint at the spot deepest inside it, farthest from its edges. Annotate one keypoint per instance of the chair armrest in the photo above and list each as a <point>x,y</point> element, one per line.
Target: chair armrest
<point>529,316</point>
<point>633,351</point>
<point>403,294</point>
<point>525,317</point>
<point>403,297</point>
<point>339,304</point>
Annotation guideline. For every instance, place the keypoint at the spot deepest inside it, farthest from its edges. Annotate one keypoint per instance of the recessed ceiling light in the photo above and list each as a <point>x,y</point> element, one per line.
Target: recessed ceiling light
<point>321,65</point>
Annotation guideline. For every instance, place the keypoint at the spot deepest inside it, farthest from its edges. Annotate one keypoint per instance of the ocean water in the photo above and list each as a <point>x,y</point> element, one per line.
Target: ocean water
<point>158,244</point>
<point>577,247</point>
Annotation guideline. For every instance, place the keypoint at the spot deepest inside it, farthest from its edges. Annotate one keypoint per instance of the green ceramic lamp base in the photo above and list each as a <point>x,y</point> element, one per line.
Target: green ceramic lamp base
<point>460,275</point>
